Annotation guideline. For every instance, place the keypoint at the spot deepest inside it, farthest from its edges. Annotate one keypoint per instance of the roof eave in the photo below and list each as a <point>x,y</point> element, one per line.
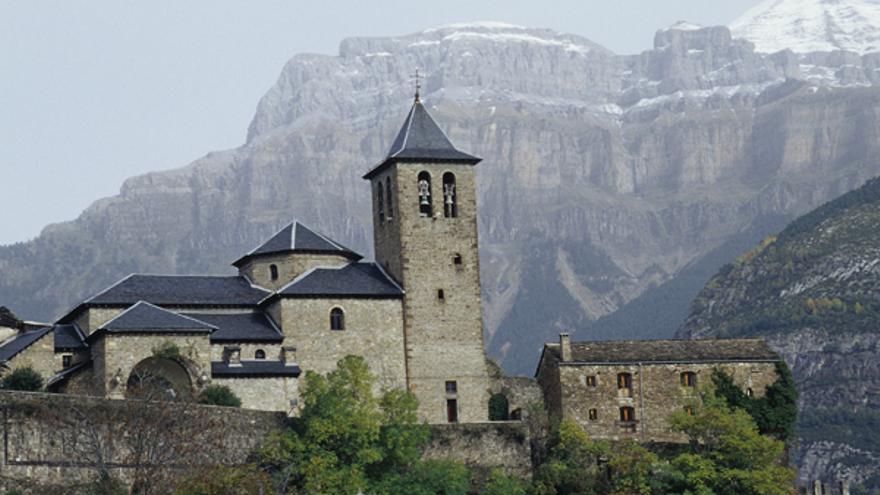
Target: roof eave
<point>392,160</point>
<point>347,254</point>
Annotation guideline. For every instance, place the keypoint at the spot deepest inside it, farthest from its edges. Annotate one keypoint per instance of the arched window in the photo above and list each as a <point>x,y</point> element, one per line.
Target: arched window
<point>688,379</point>
<point>273,272</point>
<point>380,203</point>
<point>259,354</point>
<point>425,209</point>
<point>627,414</point>
<point>389,197</point>
<point>337,319</point>
<point>450,207</point>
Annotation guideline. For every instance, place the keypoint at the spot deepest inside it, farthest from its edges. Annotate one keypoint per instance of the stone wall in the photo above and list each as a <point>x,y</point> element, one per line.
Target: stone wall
<point>290,266</point>
<point>263,393</point>
<point>484,446</point>
<point>90,319</point>
<point>373,330</point>
<point>40,356</point>
<point>656,392</point>
<point>44,436</point>
<point>444,335</point>
<point>116,355</point>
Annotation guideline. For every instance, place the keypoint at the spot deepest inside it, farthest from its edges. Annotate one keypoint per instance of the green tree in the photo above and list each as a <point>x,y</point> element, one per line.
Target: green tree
<point>433,477</point>
<point>727,454</point>
<point>219,395</point>
<point>775,413</point>
<point>499,408</point>
<point>24,379</point>
<point>500,483</point>
<point>572,464</point>
<point>346,440</point>
<point>225,480</point>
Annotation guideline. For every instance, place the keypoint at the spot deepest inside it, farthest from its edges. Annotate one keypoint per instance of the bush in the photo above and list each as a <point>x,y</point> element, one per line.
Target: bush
<point>225,480</point>
<point>24,379</point>
<point>498,408</point>
<point>502,484</point>
<point>219,395</point>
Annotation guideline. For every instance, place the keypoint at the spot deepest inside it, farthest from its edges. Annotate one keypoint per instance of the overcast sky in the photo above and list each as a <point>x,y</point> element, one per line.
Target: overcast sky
<point>93,92</point>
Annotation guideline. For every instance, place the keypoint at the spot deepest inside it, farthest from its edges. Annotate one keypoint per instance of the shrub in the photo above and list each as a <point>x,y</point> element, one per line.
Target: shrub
<point>219,395</point>
<point>498,408</point>
<point>225,480</point>
<point>502,484</point>
<point>24,379</point>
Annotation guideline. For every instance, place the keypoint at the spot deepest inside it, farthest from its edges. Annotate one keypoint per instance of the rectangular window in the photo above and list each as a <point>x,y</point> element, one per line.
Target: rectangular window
<point>591,381</point>
<point>66,360</point>
<point>452,410</point>
<point>627,414</point>
<point>451,387</point>
<point>594,414</point>
<point>441,295</point>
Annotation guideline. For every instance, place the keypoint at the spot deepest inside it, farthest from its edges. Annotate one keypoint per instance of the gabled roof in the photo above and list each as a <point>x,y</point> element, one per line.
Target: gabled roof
<point>421,138</point>
<point>20,342</point>
<point>145,317</point>
<point>182,290</point>
<point>352,280</point>
<point>296,237</point>
<point>220,369</point>
<point>68,337</point>
<point>241,327</point>
<point>666,351</point>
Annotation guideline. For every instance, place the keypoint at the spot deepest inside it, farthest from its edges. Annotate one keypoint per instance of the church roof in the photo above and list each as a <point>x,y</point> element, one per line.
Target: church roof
<point>253,369</point>
<point>240,327</point>
<point>352,280</point>
<point>666,351</point>
<point>296,237</point>
<point>145,317</point>
<point>68,337</point>
<point>183,290</point>
<point>421,138</point>
<point>20,342</point>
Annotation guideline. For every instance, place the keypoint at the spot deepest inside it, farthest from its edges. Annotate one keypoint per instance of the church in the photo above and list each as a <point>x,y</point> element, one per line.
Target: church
<point>302,301</point>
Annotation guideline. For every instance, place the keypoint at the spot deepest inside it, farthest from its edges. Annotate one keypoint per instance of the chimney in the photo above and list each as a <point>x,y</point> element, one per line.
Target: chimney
<point>565,346</point>
<point>232,355</point>
<point>288,355</point>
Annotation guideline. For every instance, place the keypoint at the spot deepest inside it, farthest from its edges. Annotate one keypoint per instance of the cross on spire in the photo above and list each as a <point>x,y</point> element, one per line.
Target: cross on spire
<point>418,86</point>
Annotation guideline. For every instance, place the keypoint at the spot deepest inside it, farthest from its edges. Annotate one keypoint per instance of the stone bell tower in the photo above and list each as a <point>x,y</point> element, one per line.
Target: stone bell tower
<point>425,235</point>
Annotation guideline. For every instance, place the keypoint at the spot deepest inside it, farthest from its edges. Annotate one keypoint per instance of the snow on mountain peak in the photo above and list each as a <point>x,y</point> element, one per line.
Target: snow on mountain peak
<point>684,26</point>
<point>812,26</point>
<point>490,25</point>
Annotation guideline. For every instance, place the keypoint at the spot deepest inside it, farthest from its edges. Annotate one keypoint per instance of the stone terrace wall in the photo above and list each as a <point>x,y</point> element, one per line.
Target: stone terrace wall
<point>483,446</point>
<point>43,434</point>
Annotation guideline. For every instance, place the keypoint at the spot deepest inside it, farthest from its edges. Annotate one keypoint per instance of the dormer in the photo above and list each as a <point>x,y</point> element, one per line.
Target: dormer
<point>289,253</point>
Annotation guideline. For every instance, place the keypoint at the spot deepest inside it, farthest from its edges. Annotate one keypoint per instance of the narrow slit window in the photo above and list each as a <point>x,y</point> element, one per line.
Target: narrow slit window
<point>450,204</point>
<point>380,204</point>
<point>441,296</point>
<point>389,199</point>
<point>273,272</point>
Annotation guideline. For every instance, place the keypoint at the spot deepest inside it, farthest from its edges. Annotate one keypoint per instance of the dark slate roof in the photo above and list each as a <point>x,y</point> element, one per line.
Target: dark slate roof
<point>352,280</point>
<point>421,138</point>
<point>181,290</point>
<point>660,351</point>
<point>240,327</point>
<point>220,369</point>
<point>68,337</point>
<point>296,237</point>
<point>21,342</point>
<point>145,317</point>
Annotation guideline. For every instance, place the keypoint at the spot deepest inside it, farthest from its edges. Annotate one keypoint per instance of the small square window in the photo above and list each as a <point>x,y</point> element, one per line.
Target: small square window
<point>591,381</point>
<point>451,387</point>
<point>66,360</point>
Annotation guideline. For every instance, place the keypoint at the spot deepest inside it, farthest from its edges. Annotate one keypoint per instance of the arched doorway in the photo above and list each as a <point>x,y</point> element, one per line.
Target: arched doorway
<point>157,378</point>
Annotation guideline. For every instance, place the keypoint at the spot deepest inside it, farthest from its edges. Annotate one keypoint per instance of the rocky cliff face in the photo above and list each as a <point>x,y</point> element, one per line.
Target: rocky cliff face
<point>609,181</point>
<point>812,292</point>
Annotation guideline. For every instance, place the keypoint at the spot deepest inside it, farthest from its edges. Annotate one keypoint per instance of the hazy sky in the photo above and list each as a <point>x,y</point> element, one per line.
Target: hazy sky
<point>93,92</point>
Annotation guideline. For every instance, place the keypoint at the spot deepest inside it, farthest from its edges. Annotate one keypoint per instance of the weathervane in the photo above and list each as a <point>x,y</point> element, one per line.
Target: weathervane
<point>418,86</point>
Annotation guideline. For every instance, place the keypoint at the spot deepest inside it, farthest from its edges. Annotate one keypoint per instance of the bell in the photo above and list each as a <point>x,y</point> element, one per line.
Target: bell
<point>423,201</point>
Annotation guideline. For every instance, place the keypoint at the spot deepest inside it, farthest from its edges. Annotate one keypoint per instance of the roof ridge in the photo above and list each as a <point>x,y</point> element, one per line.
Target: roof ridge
<point>388,276</point>
<point>409,120</point>
<point>159,308</point>
<point>114,284</point>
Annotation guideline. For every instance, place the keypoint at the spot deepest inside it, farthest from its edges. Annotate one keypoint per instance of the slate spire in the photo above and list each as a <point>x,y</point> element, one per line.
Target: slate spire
<point>421,138</point>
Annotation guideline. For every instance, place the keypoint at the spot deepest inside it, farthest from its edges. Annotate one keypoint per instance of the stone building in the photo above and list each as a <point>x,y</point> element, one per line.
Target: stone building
<point>627,389</point>
<point>300,302</point>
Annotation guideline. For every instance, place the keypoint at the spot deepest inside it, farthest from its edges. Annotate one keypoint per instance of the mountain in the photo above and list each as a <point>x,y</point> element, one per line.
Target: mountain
<point>812,293</point>
<point>612,187</point>
<point>805,26</point>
